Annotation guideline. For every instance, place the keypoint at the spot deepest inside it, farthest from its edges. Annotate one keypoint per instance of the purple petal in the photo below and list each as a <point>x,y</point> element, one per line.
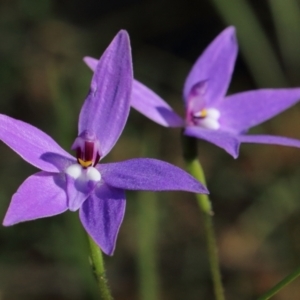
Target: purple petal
<point>33,145</point>
<point>40,195</point>
<point>229,142</point>
<point>215,66</point>
<point>149,174</point>
<point>147,102</point>
<point>269,139</point>
<point>106,109</point>
<point>102,215</point>
<point>91,62</point>
<point>78,191</point>
<point>152,106</point>
<point>241,111</point>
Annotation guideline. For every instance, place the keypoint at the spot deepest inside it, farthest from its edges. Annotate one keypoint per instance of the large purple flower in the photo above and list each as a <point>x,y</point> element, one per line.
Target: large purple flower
<point>223,121</point>
<point>97,190</point>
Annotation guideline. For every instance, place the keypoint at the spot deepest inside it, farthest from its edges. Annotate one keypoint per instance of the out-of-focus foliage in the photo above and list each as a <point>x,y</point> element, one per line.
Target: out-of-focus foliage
<point>256,198</point>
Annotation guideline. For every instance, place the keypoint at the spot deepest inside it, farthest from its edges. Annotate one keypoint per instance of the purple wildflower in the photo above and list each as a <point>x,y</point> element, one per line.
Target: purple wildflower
<point>97,190</point>
<point>223,121</point>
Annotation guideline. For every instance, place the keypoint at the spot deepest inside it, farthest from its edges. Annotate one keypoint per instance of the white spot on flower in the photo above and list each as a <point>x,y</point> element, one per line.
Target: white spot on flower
<point>210,123</point>
<point>207,118</point>
<point>93,174</point>
<point>213,113</point>
<point>77,171</point>
<point>74,171</point>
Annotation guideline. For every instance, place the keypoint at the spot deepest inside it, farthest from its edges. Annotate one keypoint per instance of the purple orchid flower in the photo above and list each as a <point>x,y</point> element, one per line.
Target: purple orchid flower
<point>223,121</point>
<point>96,190</point>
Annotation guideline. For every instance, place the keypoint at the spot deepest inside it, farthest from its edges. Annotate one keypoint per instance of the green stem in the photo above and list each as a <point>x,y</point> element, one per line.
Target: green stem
<point>193,165</point>
<point>147,251</point>
<point>147,229</point>
<point>288,279</point>
<point>99,270</point>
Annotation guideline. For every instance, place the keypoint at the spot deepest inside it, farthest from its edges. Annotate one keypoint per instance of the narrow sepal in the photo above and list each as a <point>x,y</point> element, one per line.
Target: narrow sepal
<point>241,111</point>
<point>106,108</point>
<point>33,145</point>
<point>215,67</point>
<point>152,106</point>
<point>148,103</point>
<point>269,139</point>
<point>149,174</point>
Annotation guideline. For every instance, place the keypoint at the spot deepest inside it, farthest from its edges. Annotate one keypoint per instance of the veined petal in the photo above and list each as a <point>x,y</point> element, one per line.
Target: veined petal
<point>102,215</point>
<point>241,111</point>
<point>33,145</point>
<point>215,66</point>
<point>148,103</point>
<point>106,108</point>
<point>152,106</point>
<point>229,142</point>
<point>40,195</point>
<point>269,139</point>
<point>149,174</point>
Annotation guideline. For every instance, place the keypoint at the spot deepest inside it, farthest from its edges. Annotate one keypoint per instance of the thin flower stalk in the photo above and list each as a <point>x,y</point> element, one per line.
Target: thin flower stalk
<point>148,213</point>
<point>280,285</point>
<point>99,269</point>
<point>194,167</point>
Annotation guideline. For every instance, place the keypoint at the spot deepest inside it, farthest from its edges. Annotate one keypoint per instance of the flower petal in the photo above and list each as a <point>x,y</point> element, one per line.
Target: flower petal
<point>148,103</point>
<point>40,195</point>
<point>229,142</point>
<point>91,62</point>
<point>78,191</point>
<point>241,111</point>
<point>102,215</point>
<point>106,108</point>
<point>149,174</point>
<point>152,106</point>
<point>215,66</point>
<point>269,139</point>
<point>33,145</point>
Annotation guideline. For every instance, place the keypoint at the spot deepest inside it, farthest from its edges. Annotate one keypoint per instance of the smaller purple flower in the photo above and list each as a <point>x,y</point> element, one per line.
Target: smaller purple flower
<point>97,190</point>
<point>223,121</point>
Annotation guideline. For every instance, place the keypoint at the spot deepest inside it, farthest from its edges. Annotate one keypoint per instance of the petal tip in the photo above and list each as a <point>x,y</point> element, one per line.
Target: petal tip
<point>231,29</point>
<point>8,222</point>
<point>230,32</point>
<point>123,32</point>
<point>90,62</point>
<point>201,190</point>
<point>109,252</point>
<point>235,152</point>
<point>123,36</point>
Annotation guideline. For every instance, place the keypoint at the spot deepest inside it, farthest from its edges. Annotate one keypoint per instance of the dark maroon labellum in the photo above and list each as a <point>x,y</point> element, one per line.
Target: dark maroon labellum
<point>87,149</point>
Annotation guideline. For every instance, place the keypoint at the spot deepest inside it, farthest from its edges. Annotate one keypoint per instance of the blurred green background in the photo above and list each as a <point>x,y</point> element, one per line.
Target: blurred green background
<point>161,251</point>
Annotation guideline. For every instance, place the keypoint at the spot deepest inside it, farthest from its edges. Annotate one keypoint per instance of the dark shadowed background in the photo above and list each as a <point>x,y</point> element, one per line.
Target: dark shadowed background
<point>256,198</point>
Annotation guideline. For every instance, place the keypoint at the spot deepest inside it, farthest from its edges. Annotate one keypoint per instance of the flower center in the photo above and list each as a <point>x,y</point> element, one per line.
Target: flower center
<point>87,149</point>
<point>197,112</point>
<point>88,153</point>
<point>85,174</point>
<point>200,114</point>
<point>207,118</point>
